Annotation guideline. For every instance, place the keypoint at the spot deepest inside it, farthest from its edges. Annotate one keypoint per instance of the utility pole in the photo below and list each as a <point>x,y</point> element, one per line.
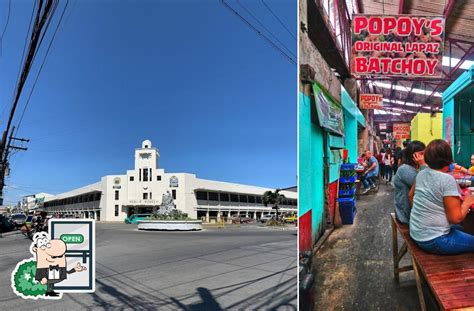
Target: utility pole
<point>4,167</point>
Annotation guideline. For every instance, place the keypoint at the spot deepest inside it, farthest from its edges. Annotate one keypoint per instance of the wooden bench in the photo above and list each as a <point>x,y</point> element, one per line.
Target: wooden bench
<point>450,278</point>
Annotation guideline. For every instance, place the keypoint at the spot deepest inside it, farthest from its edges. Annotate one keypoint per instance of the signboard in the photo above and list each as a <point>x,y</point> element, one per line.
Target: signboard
<point>371,101</point>
<point>401,130</point>
<point>79,236</point>
<point>383,126</point>
<point>174,182</point>
<point>329,111</point>
<point>144,202</point>
<point>397,45</point>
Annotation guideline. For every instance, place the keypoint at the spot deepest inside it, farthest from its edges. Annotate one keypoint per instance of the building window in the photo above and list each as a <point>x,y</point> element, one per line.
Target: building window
<point>243,198</point>
<point>201,195</point>
<point>145,196</point>
<point>234,197</point>
<point>259,199</point>
<point>116,210</point>
<point>116,195</point>
<point>131,178</point>
<point>139,174</point>
<point>251,199</point>
<point>213,196</point>
<point>224,197</point>
<point>150,196</point>
<point>158,178</point>
<point>145,174</point>
<point>151,175</point>
<point>173,192</point>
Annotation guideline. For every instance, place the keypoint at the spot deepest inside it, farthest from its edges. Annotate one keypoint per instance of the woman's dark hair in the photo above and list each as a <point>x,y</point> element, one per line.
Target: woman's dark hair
<point>438,154</point>
<point>410,150</point>
<point>389,151</point>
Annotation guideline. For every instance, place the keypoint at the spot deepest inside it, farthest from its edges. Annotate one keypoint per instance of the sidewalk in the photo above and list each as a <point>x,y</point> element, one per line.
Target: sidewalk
<point>354,267</point>
<point>9,233</point>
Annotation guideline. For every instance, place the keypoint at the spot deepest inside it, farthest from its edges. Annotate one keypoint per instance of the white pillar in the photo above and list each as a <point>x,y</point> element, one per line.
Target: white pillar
<point>207,216</point>
<point>219,216</point>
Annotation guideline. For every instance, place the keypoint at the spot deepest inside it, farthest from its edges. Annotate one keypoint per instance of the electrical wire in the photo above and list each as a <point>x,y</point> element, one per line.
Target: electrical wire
<point>23,53</point>
<point>272,44</point>
<point>41,68</point>
<point>278,19</point>
<point>6,25</point>
<point>265,28</point>
<point>26,67</point>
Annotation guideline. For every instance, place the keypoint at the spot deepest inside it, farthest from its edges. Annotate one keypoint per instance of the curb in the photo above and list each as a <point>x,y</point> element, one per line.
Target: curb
<point>281,229</point>
<point>6,234</point>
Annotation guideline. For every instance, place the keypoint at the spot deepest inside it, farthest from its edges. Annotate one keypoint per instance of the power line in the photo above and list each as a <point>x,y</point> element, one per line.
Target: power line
<point>6,24</point>
<point>23,53</point>
<point>42,64</point>
<point>278,19</point>
<point>42,16</point>
<point>265,28</point>
<point>272,44</point>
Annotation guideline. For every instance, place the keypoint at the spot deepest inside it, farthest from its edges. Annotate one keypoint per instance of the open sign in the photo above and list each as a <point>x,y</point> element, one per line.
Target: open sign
<point>72,238</point>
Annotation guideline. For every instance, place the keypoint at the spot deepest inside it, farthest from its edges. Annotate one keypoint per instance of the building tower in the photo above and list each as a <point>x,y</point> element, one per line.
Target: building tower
<point>146,161</point>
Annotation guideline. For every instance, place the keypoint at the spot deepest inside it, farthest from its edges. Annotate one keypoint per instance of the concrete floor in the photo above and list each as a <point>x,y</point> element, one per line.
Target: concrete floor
<point>354,267</point>
<point>238,268</point>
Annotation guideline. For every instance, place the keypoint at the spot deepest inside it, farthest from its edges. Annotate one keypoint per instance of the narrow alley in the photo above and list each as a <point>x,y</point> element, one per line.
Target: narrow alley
<point>354,266</point>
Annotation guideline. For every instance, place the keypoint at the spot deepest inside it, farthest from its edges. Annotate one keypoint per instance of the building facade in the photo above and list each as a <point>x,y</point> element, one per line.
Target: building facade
<point>141,190</point>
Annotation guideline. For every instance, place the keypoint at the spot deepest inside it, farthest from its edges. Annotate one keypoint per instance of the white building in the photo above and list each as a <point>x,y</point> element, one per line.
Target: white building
<point>34,201</point>
<point>140,190</point>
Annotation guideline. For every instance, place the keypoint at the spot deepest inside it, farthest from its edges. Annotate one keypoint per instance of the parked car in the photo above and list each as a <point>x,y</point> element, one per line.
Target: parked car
<point>290,219</point>
<point>133,219</point>
<point>266,217</point>
<point>246,220</point>
<point>6,224</point>
<point>18,219</point>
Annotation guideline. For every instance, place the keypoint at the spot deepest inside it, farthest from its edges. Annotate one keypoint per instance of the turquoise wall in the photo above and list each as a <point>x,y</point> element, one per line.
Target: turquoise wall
<point>351,113</point>
<point>310,167</point>
<point>448,112</point>
<point>451,109</point>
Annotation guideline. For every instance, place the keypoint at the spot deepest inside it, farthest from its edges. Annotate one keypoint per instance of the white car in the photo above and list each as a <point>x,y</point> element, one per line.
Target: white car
<point>266,217</point>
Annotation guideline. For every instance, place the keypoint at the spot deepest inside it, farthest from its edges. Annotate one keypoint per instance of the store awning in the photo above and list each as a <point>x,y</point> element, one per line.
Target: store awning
<point>462,82</point>
<point>351,107</point>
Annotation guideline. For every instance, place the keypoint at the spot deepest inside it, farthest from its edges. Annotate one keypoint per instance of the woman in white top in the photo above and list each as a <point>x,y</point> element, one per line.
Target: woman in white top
<point>388,160</point>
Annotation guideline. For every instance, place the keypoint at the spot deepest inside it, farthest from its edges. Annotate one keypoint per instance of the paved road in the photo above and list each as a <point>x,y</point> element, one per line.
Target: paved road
<point>238,268</point>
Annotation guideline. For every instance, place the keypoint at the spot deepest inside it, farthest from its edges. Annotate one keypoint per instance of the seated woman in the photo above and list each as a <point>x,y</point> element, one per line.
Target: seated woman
<point>437,205</point>
<point>405,178</point>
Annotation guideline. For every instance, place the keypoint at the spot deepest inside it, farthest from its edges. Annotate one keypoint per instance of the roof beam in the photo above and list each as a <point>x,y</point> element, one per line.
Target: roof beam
<point>400,6</point>
<point>449,9</point>
<point>357,6</point>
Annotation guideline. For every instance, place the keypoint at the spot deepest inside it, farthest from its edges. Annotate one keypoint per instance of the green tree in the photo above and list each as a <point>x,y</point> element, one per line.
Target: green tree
<point>273,198</point>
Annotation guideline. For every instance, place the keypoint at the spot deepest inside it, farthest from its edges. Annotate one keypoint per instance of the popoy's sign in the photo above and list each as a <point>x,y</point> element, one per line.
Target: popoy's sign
<point>397,45</point>
<point>401,130</point>
<point>371,101</point>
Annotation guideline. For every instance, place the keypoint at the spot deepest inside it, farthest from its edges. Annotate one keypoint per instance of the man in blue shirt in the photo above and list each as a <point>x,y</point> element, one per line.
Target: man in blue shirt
<point>371,172</point>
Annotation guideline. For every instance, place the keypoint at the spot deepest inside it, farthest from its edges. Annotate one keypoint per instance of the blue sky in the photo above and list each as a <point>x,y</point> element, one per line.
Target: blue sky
<point>210,93</point>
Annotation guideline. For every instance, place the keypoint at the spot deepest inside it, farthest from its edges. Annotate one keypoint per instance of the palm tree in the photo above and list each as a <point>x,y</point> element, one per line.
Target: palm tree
<point>273,198</point>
